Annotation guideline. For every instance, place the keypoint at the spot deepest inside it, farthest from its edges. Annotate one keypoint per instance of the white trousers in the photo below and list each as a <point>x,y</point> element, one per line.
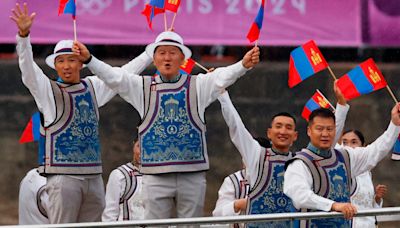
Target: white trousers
<point>72,200</point>
<point>165,193</point>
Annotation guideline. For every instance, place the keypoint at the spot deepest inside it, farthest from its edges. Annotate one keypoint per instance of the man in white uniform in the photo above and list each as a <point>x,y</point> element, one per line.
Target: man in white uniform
<point>124,199</point>
<point>33,199</point>
<point>320,177</point>
<point>70,155</point>
<point>172,133</point>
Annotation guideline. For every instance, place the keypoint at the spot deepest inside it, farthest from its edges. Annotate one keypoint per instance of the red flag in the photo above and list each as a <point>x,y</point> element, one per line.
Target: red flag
<point>363,79</point>
<point>254,32</point>
<point>172,5</point>
<point>188,66</point>
<point>150,12</point>
<point>67,7</point>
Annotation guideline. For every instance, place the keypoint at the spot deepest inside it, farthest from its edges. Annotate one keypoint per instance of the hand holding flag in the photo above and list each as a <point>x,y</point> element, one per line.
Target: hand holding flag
<point>318,100</point>
<point>251,58</point>
<point>304,62</point>
<point>363,79</point>
<point>255,29</point>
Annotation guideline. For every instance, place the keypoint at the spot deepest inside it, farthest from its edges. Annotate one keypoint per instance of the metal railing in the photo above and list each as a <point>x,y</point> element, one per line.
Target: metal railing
<point>228,219</point>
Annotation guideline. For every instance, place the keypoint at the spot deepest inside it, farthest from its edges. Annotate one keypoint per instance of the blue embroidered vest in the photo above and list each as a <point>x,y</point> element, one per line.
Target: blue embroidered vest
<point>70,145</point>
<point>331,179</point>
<point>172,135</point>
<point>267,197</point>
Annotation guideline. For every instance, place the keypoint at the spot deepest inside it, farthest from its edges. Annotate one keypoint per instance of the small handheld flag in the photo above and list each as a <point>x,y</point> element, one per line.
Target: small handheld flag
<point>188,66</point>
<point>254,32</point>
<point>304,62</point>
<point>363,79</point>
<point>31,132</point>
<point>67,7</point>
<point>318,100</point>
<point>150,12</point>
<point>172,5</point>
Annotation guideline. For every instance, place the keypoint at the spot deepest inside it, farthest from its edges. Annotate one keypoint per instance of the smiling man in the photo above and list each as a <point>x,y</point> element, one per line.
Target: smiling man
<point>172,132</point>
<point>265,166</point>
<point>320,177</point>
<point>70,157</point>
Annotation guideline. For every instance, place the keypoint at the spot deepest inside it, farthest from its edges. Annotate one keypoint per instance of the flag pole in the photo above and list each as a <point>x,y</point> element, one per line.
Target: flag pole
<point>165,21</point>
<point>199,65</point>
<point>326,100</point>
<point>333,75</point>
<point>256,43</point>
<point>391,94</point>
<point>173,21</point>
<point>75,36</point>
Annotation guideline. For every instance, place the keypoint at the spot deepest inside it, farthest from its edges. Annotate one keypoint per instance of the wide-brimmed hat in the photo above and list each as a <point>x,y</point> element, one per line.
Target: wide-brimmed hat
<point>171,39</point>
<point>63,47</point>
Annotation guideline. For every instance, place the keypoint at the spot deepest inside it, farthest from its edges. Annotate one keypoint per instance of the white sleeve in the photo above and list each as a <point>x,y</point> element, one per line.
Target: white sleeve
<point>138,64</point>
<point>115,189</point>
<point>365,158</point>
<point>248,147</point>
<point>128,86</point>
<point>226,198</point>
<point>35,80</point>
<point>298,186</point>
<point>210,85</point>
<point>340,116</point>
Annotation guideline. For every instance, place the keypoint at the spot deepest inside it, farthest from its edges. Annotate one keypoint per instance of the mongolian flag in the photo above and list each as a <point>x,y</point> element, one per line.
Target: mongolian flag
<point>305,61</point>
<point>317,101</point>
<point>67,7</point>
<point>31,132</point>
<point>396,150</point>
<point>172,5</point>
<point>254,32</point>
<point>363,79</point>
<point>150,11</point>
<point>188,66</point>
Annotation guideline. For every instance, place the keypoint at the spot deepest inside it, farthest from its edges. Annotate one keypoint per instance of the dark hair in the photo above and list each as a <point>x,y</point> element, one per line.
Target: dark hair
<point>264,142</point>
<point>282,114</point>
<point>321,112</point>
<point>358,133</point>
<point>135,140</point>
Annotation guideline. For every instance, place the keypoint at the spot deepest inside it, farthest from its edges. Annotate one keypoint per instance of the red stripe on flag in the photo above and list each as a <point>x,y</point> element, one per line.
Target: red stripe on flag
<point>374,75</point>
<point>294,77</point>
<point>254,33</point>
<point>306,113</point>
<point>172,5</point>
<point>320,100</point>
<point>347,87</point>
<point>27,134</point>
<point>315,56</point>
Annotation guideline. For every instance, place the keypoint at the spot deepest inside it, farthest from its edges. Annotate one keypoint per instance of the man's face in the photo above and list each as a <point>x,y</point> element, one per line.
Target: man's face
<point>322,132</point>
<point>136,153</point>
<point>282,133</point>
<point>168,60</point>
<point>68,67</point>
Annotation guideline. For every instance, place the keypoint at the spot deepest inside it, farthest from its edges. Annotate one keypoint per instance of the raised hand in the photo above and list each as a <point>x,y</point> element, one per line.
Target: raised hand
<point>339,95</point>
<point>81,51</point>
<point>23,20</point>
<point>396,114</point>
<point>251,58</point>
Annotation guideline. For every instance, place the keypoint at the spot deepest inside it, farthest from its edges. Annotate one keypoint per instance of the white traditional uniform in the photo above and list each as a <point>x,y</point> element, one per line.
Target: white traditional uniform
<point>363,199</point>
<point>85,193</point>
<point>265,166</point>
<point>172,134</point>
<point>124,199</point>
<point>299,180</point>
<point>33,199</point>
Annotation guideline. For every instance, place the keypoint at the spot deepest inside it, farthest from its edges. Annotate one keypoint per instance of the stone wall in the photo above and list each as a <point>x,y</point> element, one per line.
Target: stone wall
<point>257,96</point>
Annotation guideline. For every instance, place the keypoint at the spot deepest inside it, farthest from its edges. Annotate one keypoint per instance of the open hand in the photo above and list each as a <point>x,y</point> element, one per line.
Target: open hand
<point>23,20</point>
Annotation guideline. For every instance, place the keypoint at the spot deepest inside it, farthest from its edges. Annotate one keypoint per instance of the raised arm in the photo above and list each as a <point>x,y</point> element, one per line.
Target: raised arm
<point>342,108</point>
<point>241,138</point>
<point>366,158</point>
<point>128,86</point>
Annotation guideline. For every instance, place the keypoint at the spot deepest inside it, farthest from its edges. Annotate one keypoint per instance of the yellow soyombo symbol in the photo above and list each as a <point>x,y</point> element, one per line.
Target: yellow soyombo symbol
<point>322,102</point>
<point>173,2</point>
<point>373,75</point>
<point>315,57</point>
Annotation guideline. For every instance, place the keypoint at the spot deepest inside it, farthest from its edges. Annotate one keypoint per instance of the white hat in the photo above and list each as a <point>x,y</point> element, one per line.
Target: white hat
<point>168,38</point>
<point>63,47</point>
